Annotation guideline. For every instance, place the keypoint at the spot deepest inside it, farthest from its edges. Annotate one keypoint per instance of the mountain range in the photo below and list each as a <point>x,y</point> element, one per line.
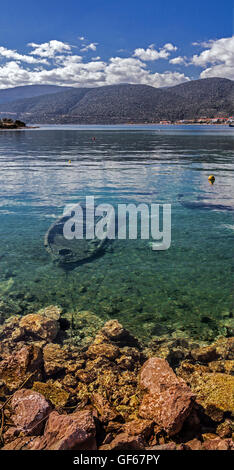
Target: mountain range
<point>113,104</point>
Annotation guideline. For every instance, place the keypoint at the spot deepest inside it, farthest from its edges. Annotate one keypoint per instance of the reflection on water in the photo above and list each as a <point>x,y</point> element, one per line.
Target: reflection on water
<point>188,287</point>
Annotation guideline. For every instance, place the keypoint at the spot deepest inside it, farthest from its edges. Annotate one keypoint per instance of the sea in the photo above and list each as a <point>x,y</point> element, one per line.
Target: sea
<point>186,289</point>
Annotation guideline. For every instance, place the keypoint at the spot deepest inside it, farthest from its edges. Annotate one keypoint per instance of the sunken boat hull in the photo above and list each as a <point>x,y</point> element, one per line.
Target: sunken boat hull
<point>75,251</point>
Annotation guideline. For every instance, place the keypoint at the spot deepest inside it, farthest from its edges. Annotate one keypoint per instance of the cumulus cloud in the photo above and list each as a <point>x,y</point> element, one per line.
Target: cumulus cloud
<point>178,60</point>
<point>219,55</point>
<point>11,54</point>
<point>65,68</point>
<point>49,49</point>
<point>152,54</point>
<point>170,47</point>
<point>131,70</point>
<point>92,47</point>
<point>55,62</point>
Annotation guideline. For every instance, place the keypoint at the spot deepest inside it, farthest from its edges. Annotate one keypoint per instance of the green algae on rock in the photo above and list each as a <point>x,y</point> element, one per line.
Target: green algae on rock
<point>56,395</point>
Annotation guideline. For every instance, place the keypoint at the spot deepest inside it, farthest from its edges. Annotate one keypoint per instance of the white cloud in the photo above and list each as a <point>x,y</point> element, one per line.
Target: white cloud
<point>10,54</point>
<point>49,49</point>
<point>92,47</point>
<point>65,68</point>
<point>12,74</point>
<point>219,55</point>
<point>170,47</point>
<point>177,60</point>
<point>70,59</point>
<point>131,70</point>
<point>152,54</point>
<point>94,73</point>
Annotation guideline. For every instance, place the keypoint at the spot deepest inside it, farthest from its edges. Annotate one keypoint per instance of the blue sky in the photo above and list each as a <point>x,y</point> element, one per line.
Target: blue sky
<point>155,42</point>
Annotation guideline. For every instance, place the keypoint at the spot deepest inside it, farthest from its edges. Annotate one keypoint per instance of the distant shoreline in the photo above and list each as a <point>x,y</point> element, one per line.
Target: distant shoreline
<point>113,125</point>
<point>19,128</point>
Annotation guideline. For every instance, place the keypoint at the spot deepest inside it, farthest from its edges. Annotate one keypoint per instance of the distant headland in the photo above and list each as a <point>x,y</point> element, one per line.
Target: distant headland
<point>6,123</point>
<point>9,124</point>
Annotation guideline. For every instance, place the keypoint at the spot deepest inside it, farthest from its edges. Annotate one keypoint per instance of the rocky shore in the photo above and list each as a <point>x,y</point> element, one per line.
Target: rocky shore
<point>108,392</point>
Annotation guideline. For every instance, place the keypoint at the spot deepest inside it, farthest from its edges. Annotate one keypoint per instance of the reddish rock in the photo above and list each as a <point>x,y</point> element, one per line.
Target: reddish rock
<point>39,326</point>
<point>218,444</point>
<point>194,444</point>
<point>156,375</point>
<point>20,443</point>
<point>168,446</point>
<point>10,435</point>
<point>124,441</point>
<point>168,400</point>
<point>67,432</point>
<point>21,365</point>
<point>133,435</point>
<point>30,409</point>
<point>139,427</point>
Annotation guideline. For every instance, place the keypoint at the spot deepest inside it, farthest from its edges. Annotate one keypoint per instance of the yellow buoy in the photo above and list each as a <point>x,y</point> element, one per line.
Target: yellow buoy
<point>211,178</point>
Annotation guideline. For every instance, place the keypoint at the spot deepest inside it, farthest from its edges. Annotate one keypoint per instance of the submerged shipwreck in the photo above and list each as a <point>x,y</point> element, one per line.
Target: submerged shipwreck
<point>72,250</point>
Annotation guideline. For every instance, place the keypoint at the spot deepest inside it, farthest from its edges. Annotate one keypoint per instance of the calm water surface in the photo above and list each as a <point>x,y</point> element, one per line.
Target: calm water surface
<point>187,288</point>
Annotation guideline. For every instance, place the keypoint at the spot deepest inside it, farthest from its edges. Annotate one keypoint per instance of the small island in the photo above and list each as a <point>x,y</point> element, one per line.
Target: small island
<point>6,123</point>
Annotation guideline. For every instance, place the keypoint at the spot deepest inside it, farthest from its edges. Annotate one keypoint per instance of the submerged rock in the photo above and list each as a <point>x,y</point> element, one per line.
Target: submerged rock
<point>55,359</point>
<point>20,366</point>
<point>214,391</point>
<point>36,328</point>
<point>39,327</point>
<point>205,354</point>
<point>110,351</point>
<point>218,444</point>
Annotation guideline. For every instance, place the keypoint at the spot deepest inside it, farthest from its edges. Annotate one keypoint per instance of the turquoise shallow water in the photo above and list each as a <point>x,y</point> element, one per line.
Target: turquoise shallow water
<point>187,288</point>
